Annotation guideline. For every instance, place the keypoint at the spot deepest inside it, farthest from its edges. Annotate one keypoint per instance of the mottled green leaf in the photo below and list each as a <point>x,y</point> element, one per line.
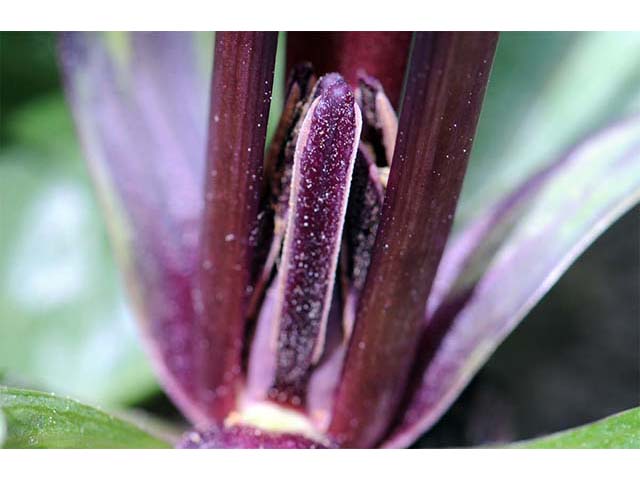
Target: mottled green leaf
<point>3,429</point>
<point>41,420</point>
<point>617,431</point>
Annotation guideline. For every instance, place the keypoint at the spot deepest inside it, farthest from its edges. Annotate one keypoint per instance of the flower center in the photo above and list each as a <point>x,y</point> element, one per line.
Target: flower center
<point>273,418</point>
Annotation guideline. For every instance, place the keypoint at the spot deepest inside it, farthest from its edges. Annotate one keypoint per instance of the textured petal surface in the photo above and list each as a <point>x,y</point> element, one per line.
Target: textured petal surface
<point>241,85</point>
<point>139,101</point>
<point>446,80</point>
<point>496,271</point>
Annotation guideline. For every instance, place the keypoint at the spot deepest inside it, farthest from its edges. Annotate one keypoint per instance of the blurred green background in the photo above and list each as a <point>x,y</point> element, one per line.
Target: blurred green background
<point>65,325</point>
<point>64,322</point>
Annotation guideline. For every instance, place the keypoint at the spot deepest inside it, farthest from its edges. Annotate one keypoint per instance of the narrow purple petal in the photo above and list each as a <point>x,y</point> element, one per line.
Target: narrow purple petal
<point>242,80</point>
<point>380,54</point>
<point>447,77</point>
<point>140,112</point>
<point>538,231</point>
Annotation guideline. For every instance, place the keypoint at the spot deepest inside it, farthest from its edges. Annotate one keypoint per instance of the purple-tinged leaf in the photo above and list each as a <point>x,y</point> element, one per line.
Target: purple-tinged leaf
<point>446,80</point>
<point>323,164</point>
<point>467,255</point>
<point>242,79</point>
<point>536,234</point>
<point>380,124</point>
<point>380,54</point>
<point>241,436</point>
<point>139,103</point>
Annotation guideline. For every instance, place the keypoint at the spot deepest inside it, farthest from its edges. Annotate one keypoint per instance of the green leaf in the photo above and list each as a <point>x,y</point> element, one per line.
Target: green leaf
<point>278,91</point>
<point>66,325</point>
<point>3,429</point>
<point>617,431</point>
<point>40,420</point>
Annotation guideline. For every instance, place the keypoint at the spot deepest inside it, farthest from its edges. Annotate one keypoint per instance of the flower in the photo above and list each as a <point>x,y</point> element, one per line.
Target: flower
<point>314,298</point>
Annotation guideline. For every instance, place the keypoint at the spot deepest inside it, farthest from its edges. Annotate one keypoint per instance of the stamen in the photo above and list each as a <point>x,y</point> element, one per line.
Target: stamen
<point>361,225</point>
<point>380,125</point>
<point>323,165</point>
<point>278,169</point>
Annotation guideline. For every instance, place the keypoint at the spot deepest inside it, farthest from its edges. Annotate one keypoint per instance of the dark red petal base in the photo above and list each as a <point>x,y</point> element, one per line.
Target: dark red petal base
<point>241,436</point>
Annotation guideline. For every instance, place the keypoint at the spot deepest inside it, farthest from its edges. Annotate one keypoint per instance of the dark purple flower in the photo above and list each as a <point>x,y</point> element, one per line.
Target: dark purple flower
<point>311,297</point>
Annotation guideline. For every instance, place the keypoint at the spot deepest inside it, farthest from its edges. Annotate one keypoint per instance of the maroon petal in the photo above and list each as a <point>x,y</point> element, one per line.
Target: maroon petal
<point>447,77</point>
<point>380,54</point>
<point>140,111</point>
<point>323,165</point>
<point>242,80</point>
<point>522,246</point>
